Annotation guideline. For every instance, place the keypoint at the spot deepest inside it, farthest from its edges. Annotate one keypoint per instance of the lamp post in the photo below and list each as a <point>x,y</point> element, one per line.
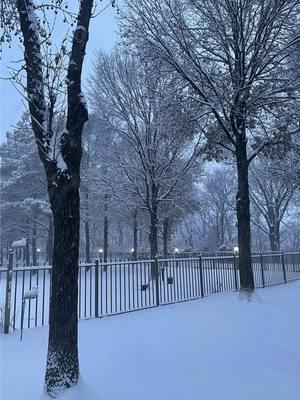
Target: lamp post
<point>235,253</point>
<point>38,255</point>
<point>100,252</point>
<point>133,253</point>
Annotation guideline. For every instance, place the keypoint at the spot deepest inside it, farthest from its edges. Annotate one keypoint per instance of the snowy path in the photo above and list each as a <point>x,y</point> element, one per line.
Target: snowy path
<point>218,348</point>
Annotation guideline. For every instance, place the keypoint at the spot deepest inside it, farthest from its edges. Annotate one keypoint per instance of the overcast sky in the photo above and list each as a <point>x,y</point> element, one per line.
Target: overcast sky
<point>103,35</point>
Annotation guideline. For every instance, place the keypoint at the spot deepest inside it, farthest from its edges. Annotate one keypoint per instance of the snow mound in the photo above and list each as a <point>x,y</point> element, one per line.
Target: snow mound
<point>218,348</point>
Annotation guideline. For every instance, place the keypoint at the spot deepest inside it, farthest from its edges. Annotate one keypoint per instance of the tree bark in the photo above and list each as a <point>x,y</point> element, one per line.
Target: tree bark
<point>87,242</point>
<point>153,240</point>
<point>62,368</point>
<point>33,244</point>
<point>27,253</point>
<point>105,235</point>
<point>135,235</point>
<point>8,246</point>
<point>62,361</point>
<point>49,245</point>
<point>274,237</point>
<point>153,235</point>
<point>243,218</point>
<point>166,236</point>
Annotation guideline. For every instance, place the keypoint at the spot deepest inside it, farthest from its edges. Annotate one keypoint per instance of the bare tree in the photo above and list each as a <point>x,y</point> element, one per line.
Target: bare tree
<point>60,153</point>
<point>157,142</point>
<point>232,56</point>
<point>211,226</point>
<point>271,196</point>
<point>218,192</point>
<point>24,201</point>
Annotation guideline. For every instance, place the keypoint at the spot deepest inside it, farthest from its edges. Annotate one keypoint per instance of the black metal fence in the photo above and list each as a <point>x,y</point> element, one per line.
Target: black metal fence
<point>124,286</point>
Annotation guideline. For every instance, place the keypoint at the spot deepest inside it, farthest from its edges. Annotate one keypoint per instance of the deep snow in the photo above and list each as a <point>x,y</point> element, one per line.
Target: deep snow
<point>220,347</point>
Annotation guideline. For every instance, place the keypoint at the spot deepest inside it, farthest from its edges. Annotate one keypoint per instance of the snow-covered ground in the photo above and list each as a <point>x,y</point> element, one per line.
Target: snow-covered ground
<point>220,347</point>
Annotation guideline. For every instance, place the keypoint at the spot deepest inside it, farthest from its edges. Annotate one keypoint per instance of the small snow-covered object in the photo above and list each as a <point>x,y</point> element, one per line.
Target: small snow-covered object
<point>32,293</point>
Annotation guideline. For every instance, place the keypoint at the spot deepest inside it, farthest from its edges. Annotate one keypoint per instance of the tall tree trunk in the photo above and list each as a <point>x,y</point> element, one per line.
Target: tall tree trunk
<point>62,368</point>
<point>87,231</point>
<point>62,361</point>
<point>141,240</point>
<point>277,233</point>
<point>217,231</point>
<point>33,244</point>
<point>222,222</point>
<point>274,237</point>
<point>166,236</point>
<point>153,239</point>
<point>49,245</point>
<point>87,242</point>
<point>105,235</point>
<point>243,218</point>
<point>8,246</point>
<point>121,236</point>
<point>135,235</point>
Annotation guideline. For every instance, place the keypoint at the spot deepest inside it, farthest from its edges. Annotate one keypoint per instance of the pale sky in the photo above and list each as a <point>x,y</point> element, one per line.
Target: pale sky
<point>103,35</point>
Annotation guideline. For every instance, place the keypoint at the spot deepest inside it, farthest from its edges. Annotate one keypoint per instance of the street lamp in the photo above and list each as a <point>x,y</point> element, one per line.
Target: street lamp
<point>38,255</point>
<point>176,250</point>
<point>100,251</point>
<point>132,250</point>
<point>236,250</point>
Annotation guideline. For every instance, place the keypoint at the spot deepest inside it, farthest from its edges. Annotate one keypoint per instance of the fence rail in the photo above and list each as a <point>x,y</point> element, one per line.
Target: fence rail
<point>124,286</point>
<point>42,260</point>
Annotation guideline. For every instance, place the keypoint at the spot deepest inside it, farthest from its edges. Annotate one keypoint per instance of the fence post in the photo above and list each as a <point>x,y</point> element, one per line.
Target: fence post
<point>156,269</point>
<point>283,267</point>
<point>235,272</point>
<point>8,293</point>
<point>262,271</point>
<point>201,276</point>
<point>96,288</point>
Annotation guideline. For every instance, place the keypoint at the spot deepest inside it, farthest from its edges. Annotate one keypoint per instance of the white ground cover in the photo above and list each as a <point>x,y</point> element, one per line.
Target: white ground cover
<point>220,347</point>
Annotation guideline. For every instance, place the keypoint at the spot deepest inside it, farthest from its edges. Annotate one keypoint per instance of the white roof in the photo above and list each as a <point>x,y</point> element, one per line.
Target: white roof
<point>19,243</point>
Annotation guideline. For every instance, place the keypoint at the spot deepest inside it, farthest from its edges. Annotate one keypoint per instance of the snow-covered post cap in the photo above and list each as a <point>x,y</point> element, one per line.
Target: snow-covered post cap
<point>31,293</point>
<point>19,243</point>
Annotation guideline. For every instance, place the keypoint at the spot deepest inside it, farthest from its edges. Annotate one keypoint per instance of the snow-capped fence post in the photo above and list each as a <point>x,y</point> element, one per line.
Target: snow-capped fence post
<point>283,267</point>
<point>28,295</point>
<point>262,270</point>
<point>96,288</point>
<point>8,292</point>
<point>156,269</point>
<point>201,276</point>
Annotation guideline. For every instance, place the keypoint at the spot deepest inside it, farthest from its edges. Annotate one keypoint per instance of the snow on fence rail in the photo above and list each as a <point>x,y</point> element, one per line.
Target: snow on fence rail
<point>124,286</point>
